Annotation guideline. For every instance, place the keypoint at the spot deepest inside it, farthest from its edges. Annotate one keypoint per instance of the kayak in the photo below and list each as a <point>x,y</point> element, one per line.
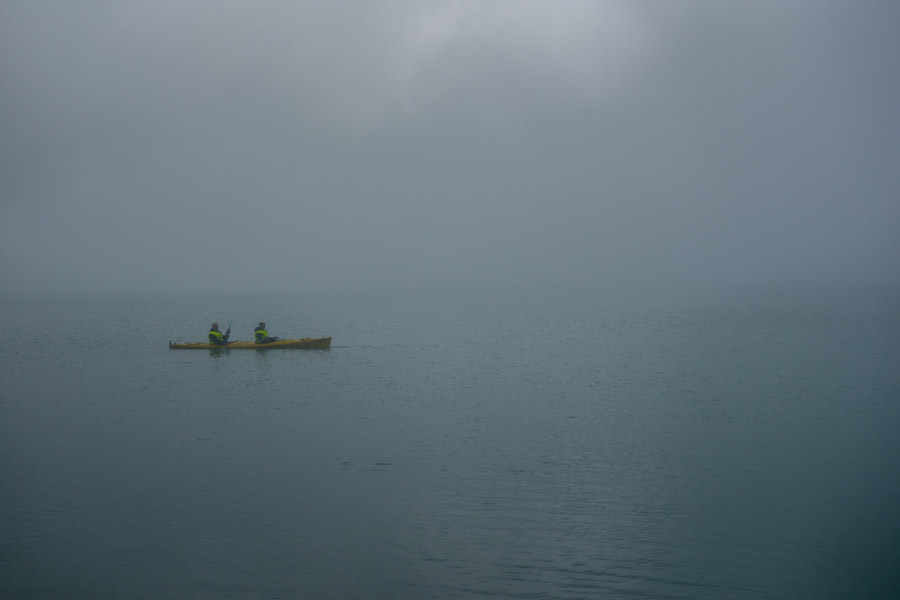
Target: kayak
<point>308,343</point>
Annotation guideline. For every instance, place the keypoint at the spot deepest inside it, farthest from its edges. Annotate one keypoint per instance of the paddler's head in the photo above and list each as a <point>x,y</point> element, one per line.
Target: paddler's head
<point>262,325</point>
<point>215,327</point>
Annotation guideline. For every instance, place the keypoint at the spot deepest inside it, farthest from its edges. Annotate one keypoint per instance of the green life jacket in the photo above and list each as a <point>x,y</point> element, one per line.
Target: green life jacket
<point>261,335</point>
<point>216,338</point>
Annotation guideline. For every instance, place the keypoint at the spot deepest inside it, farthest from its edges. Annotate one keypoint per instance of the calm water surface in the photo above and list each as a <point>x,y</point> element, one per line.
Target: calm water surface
<point>452,445</point>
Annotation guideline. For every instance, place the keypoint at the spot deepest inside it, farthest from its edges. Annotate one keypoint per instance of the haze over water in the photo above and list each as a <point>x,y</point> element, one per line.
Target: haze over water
<point>612,286</point>
<point>454,445</point>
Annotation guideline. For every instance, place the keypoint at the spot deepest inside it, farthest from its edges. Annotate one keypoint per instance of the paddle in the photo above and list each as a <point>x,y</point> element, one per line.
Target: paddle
<point>227,333</point>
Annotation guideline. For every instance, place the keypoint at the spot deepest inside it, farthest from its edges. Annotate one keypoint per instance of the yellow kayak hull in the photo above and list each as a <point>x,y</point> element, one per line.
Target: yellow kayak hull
<point>307,343</point>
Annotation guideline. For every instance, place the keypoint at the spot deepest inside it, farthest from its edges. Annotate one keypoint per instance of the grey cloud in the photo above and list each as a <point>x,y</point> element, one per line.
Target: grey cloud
<point>446,143</point>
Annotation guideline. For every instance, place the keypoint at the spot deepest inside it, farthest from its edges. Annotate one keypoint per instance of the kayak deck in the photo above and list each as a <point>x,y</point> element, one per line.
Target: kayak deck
<point>307,343</point>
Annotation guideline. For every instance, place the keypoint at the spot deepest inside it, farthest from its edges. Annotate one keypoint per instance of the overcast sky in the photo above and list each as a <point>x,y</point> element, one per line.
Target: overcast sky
<point>199,145</point>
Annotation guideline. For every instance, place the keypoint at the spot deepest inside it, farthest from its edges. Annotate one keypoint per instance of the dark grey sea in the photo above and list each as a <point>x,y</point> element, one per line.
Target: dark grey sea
<point>465,444</point>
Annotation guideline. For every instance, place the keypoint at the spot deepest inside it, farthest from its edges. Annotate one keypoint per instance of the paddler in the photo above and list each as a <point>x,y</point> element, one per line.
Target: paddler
<point>215,336</point>
<point>261,335</point>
